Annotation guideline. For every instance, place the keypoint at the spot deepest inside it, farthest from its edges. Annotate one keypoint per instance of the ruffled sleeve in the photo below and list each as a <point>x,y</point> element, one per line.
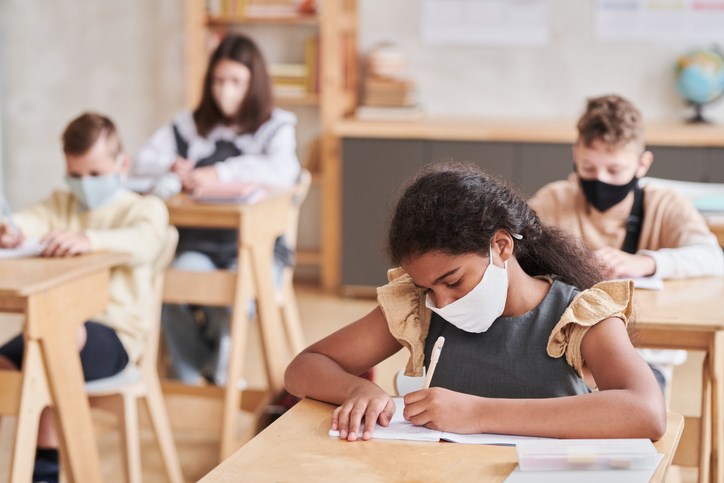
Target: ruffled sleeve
<point>603,300</point>
<point>407,317</point>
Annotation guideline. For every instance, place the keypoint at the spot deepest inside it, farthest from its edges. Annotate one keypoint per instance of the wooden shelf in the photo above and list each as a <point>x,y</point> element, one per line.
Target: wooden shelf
<point>307,100</point>
<point>227,20</point>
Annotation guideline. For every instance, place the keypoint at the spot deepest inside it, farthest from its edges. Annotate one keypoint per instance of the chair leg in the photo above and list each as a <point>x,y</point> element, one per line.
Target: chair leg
<point>290,316</point>
<point>162,430</point>
<point>125,407</point>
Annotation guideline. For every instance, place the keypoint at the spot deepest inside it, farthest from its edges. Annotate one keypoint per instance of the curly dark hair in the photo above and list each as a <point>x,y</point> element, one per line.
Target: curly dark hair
<point>456,208</point>
<point>613,120</point>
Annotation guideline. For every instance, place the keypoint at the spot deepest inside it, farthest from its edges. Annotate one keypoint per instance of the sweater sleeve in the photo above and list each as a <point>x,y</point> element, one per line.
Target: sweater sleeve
<point>279,167</point>
<point>701,256</point>
<point>687,248</point>
<point>142,235</point>
<point>156,156</point>
<point>38,220</point>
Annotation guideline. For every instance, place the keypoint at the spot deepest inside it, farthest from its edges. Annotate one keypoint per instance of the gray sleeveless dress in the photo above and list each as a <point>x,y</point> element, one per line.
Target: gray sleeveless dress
<point>510,359</point>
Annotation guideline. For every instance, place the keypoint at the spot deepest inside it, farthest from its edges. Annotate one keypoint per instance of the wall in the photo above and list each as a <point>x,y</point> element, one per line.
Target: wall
<point>547,82</point>
<point>58,59</point>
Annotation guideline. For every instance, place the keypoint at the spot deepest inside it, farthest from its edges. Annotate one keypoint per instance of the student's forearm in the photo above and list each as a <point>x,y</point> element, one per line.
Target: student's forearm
<point>605,414</point>
<point>319,377</point>
<point>701,259</point>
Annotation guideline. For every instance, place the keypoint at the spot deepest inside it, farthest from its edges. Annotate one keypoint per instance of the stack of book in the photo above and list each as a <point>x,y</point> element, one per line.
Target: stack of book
<point>387,93</point>
<point>260,8</point>
<point>289,80</point>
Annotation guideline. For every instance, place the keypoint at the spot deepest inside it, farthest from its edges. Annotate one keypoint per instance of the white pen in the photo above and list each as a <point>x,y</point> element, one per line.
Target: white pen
<point>9,214</point>
<point>434,357</point>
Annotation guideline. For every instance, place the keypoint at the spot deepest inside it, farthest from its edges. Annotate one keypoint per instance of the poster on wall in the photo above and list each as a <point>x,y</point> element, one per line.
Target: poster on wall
<point>485,22</point>
<point>659,20</point>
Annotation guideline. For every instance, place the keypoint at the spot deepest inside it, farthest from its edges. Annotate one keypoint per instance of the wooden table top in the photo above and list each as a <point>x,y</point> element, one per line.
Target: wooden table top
<point>297,448</point>
<point>690,303</point>
<point>563,131</point>
<point>21,277</point>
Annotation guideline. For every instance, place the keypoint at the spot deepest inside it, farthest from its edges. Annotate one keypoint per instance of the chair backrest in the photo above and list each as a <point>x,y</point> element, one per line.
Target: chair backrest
<point>301,189</point>
<point>160,265</point>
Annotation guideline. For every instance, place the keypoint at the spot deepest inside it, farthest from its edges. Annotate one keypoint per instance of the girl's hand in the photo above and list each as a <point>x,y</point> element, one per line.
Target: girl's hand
<point>624,264</point>
<point>444,410</point>
<point>64,243</point>
<point>200,177</point>
<point>182,167</point>
<point>368,401</point>
<point>9,238</point>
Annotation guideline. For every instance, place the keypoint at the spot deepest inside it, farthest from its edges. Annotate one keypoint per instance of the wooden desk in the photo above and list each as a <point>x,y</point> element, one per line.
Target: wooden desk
<point>259,225</point>
<point>689,314</point>
<point>297,448</point>
<point>56,295</point>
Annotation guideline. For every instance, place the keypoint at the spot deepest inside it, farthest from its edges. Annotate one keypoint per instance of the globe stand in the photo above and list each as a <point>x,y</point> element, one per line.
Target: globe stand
<point>698,117</point>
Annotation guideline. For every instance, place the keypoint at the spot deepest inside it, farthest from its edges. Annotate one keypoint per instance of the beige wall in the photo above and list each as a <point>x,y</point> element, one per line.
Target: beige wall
<point>57,59</point>
<point>546,82</point>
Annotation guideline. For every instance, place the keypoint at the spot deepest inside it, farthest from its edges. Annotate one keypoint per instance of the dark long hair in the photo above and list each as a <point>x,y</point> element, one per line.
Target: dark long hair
<point>456,208</point>
<point>257,106</point>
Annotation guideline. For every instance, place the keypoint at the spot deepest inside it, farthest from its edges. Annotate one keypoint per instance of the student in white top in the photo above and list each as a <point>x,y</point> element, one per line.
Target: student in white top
<point>235,134</point>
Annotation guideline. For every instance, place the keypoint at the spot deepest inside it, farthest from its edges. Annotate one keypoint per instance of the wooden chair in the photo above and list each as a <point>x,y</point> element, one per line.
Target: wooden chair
<point>286,299</point>
<point>120,393</point>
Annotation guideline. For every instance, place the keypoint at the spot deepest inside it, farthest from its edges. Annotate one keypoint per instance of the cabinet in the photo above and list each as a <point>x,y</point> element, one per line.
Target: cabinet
<point>282,39</point>
<point>377,159</point>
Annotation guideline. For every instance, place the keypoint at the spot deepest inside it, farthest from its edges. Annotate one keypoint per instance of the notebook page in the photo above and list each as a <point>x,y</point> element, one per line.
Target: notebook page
<point>28,248</point>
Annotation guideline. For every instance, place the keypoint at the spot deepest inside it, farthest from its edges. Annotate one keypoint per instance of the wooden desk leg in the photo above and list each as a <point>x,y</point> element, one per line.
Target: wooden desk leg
<point>716,369</point>
<point>34,397</point>
<point>239,330</point>
<point>705,420</point>
<point>78,443</point>
<point>274,343</point>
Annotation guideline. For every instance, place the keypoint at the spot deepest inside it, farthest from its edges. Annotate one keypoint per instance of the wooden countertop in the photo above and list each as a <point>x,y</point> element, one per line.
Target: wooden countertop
<point>658,133</point>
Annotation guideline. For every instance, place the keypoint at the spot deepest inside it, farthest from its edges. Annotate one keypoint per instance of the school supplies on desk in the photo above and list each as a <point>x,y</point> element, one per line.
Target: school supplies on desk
<point>589,476</point>
<point>400,429</point>
<point>648,283</point>
<point>587,454</point>
<point>229,193</point>
<point>28,248</point>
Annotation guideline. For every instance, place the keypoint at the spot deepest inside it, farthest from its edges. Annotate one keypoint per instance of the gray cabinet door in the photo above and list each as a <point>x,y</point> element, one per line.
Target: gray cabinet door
<point>493,158</point>
<point>683,164</point>
<point>538,164</point>
<point>373,174</point>
<point>715,165</point>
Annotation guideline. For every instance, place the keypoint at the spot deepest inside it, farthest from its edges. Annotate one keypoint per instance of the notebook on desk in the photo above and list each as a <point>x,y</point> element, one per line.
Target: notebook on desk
<point>28,248</point>
<point>400,429</point>
<point>229,193</point>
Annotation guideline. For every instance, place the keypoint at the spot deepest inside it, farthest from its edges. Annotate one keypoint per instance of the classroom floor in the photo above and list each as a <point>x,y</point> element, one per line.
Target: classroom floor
<point>321,314</point>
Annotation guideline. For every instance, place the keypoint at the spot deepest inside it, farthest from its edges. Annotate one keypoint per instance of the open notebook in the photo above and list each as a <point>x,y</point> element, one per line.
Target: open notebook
<point>224,192</point>
<point>404,430</point>
<point>28,248</point>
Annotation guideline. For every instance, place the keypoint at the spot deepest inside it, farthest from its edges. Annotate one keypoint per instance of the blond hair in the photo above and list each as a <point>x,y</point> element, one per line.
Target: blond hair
<point>612,120</point>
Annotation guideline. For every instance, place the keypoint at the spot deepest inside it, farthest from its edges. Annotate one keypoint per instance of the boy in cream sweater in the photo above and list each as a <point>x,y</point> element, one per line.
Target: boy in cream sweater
<point>97,214</point>
<point>637,231</point>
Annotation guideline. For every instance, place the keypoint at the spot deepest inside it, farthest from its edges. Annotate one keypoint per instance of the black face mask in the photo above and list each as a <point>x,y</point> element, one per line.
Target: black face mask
<point>603,195</point>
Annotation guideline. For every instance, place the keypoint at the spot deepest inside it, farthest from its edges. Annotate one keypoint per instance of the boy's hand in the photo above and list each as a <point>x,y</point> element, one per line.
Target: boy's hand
<point>64,243</point>
<point>9,238</point>
<point>200,177</point>
<point>624,264</point>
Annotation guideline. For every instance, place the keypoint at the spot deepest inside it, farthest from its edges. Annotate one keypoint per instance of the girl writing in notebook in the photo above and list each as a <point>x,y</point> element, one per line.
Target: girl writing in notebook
<point>235,134</point>
<point>523,313</point>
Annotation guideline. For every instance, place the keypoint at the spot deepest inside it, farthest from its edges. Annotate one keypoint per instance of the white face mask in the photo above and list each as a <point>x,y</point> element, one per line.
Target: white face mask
<point>478,309</point>
<point>94,191</point>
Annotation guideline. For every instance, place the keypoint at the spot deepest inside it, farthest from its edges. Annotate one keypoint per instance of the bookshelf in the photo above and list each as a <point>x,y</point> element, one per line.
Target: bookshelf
<point>332,97</point>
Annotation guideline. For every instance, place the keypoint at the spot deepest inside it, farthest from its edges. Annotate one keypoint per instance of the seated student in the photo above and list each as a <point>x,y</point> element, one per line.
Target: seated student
<point>522,315</point>
<point>234,134</point>
<point>96,215</point>
<point>636,231</point>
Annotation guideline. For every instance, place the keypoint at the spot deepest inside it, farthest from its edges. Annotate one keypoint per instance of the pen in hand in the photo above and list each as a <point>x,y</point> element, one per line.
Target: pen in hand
<point>8,214</point>
<point>434,357</point>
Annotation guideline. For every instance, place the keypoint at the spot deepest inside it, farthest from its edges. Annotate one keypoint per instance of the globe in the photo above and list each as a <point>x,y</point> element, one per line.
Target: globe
<point>700,79</point>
